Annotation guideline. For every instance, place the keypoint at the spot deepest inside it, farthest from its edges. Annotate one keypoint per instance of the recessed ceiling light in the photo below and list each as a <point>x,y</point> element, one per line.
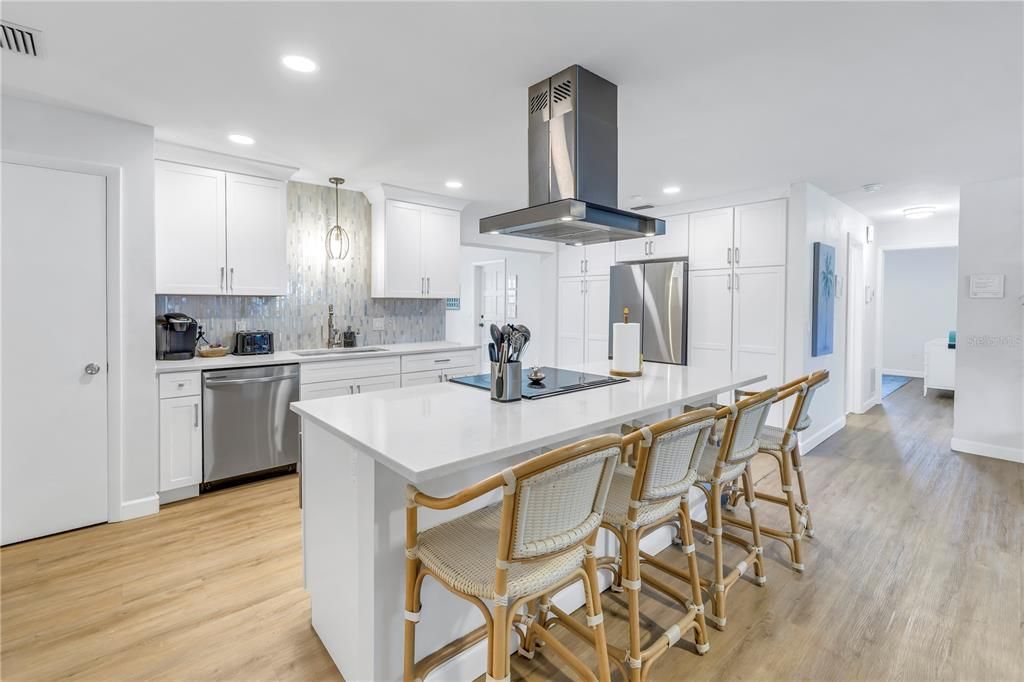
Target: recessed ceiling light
<point>577,244</point>
<point>240,139</point>
<point>918,212</point>
<point>299,63</point>
<point>453,184</point>
<point>871,187</point>
<point>671,189</point>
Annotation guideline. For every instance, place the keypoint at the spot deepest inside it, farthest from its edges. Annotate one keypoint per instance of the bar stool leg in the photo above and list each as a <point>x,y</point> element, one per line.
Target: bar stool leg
<point>701,633</point>
<point>806,506</point>
<point>595,614</point>
<point>715,530</point>
<point>502,630</point>
<point>631,583</point>
<point>751,499</point>
<point>786,474</point>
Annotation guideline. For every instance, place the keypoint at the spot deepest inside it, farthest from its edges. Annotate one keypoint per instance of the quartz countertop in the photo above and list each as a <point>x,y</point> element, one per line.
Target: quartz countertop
<point>286,357</point>
<point>423,432</point>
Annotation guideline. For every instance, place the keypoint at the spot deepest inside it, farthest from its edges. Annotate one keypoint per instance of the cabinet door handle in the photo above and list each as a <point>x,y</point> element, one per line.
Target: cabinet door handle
<point>359,388</point>
<point>195,415</point>
<point>581,265</point>
<point>737,285</point>
<point>728,282</point>
<point>736,257</point>
<point>232,284</point>
<point>222,278</point>
<point>728,255</point>
<point>428,285</point>
<point>652,246</point>
<point>351,389</point>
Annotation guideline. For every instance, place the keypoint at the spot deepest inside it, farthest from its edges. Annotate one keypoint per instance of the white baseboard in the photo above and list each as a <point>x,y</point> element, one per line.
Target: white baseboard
<point>143,506</point>
<point>808,443</point>
<point>472,662</point>
<point>178,494</point>
<point>973,447</point>
<point>912,373</point>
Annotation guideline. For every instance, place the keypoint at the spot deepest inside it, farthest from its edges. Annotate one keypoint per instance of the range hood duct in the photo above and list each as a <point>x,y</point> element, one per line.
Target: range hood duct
<point>573,165</point>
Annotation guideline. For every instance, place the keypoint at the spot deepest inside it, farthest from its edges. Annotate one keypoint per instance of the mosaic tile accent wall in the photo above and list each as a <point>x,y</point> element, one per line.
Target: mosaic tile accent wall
<point>299,320</point>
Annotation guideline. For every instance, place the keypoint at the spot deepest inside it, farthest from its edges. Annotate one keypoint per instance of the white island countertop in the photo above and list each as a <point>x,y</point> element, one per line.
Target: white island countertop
<point>287,357</point>
<point>424,432</point>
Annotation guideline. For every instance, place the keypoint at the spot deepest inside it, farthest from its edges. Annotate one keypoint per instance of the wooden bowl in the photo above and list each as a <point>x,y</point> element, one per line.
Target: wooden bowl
<point>213,352</point>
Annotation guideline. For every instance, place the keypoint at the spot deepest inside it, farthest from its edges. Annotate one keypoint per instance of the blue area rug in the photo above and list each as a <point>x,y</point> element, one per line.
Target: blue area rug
<point>891,383</point>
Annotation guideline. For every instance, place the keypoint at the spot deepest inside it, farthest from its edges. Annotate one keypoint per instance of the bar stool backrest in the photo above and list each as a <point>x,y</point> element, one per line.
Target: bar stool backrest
<point>745,419</point>
<point>553,502</point>
<point>814,381</point>
<point>667,461</point>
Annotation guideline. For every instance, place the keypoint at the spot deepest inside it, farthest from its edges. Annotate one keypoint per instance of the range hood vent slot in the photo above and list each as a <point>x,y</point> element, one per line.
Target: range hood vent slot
<point>562,91</point>
<point>20,39</point>
<point>641,207</point>
<point>539,102</point>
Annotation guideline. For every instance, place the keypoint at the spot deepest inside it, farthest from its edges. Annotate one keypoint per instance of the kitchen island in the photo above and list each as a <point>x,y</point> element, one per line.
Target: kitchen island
<point>358,454</point>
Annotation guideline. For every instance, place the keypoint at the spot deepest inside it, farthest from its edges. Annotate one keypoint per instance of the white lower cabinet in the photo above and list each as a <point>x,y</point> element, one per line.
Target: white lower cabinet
<point>181,442</point>
<point>331,389</point>
<point>437,376</point>
<point>582,319</point>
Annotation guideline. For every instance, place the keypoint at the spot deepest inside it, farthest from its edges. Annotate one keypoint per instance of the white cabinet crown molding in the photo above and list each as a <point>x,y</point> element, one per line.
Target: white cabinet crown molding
<point>380,193</point>
<point>193,156</point>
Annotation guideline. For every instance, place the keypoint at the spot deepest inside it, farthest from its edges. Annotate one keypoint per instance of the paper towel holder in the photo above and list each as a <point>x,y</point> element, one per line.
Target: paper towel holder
<point>619,373</point>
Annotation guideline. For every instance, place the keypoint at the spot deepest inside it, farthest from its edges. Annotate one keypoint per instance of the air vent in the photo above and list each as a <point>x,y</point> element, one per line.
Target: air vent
<point>641,207</point>
<point>562,91</point>
<point>20,39</point>
<point>538,102</point>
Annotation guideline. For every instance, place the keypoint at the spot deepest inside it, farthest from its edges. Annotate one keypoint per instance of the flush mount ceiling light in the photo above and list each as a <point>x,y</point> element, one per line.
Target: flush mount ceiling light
<point>918,212</point>
<point>337,241</point>
<point>871,187</point>
<point>299,63</point>
<point>240,139</point>
<point>671,189</point>
<point>453,184</point>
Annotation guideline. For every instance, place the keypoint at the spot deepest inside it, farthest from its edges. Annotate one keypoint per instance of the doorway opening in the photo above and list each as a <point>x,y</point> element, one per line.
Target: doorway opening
<point>489,282</point>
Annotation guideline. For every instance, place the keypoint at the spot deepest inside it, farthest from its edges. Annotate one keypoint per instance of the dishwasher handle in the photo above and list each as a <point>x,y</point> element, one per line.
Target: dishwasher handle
<point>255,380</point>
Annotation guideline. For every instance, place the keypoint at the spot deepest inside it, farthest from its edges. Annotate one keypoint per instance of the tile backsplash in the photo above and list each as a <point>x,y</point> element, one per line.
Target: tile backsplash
<point>299,320</point>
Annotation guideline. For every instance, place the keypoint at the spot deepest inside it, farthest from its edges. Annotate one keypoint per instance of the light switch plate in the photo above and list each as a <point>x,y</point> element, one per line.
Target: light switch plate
<point>378,324</point>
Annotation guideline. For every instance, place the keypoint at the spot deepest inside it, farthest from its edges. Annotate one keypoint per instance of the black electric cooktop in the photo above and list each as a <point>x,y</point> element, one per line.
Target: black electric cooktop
<point>556,382</point>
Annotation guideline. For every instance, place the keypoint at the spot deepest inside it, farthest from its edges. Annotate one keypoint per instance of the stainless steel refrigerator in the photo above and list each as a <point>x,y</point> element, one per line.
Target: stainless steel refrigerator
<point>655,294</point>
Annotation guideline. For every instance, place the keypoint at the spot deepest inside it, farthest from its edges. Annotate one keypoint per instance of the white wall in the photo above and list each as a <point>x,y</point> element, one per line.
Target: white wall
<point>815,216</point>
<point>939,230</point>
<point>988,413</point>
<point>65,134</point>
<point>536,299</point>
<point>471,236</point>
<point>919,304</point>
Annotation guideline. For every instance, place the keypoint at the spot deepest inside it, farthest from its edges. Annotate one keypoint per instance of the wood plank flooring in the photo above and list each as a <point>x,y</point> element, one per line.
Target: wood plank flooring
<point>916,572</point>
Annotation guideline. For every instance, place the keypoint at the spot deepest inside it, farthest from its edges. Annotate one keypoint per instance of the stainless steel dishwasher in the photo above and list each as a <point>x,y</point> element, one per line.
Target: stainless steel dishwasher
<point>247,426</point>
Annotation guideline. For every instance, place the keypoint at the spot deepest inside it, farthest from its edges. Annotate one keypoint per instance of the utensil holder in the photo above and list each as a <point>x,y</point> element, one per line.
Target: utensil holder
<point>506,381</point>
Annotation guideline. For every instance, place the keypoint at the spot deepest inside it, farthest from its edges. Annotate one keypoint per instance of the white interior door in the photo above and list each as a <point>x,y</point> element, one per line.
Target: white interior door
<point>54,465</point>
<point>571,324</point>
<point>439,248</point>
<point>598,301</point>
<point>709,320</point>
<point>711,239</point>
<point>854,324</point>
<point>490,305</point>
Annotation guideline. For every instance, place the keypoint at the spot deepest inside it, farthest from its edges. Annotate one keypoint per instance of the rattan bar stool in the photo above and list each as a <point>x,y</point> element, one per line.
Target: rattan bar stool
<point>784,447</point>
<point>719,467</point>
<point>539,539</point>
<point>652,493</point>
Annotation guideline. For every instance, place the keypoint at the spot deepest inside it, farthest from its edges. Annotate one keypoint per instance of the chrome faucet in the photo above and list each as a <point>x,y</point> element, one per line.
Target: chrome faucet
<point>332,331</point>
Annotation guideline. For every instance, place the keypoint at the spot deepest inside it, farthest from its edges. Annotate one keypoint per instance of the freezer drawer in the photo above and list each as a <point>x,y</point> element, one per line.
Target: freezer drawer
<point>247,426</point>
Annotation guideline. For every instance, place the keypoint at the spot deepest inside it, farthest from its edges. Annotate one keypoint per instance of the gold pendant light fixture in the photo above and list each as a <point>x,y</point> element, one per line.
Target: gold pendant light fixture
<point>337,242</point>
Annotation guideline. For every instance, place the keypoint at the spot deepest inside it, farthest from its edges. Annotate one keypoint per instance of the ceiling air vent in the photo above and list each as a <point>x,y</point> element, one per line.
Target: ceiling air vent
<point>20,39</point>
<point>641,207</point>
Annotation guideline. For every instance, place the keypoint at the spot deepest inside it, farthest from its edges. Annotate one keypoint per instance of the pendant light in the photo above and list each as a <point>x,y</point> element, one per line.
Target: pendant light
<point>337,241</point>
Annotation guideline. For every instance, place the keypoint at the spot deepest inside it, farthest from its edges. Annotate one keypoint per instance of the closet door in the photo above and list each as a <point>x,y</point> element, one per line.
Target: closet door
<point>711,239</point>
<point>571,348</point>
<point>709,320</point>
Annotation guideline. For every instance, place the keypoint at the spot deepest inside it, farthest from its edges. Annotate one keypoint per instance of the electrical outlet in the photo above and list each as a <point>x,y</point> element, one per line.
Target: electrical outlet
<point>378,324</point>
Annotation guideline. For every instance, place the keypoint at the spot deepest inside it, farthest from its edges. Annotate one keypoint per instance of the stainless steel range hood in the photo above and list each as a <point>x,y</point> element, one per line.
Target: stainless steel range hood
<point>573,163</point>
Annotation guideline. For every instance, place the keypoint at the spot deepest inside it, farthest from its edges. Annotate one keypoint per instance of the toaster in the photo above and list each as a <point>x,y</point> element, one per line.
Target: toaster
<point>260,342</point>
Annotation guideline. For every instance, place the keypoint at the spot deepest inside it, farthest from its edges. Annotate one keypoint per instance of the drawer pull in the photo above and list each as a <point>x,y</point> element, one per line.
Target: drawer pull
<point>443,360</point>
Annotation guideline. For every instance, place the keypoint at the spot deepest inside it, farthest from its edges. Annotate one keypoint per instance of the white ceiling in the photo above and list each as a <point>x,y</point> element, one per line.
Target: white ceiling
<point>717,98</point>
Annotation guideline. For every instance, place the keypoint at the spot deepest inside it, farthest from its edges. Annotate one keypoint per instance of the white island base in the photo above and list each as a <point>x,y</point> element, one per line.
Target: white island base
<point>358,454</point>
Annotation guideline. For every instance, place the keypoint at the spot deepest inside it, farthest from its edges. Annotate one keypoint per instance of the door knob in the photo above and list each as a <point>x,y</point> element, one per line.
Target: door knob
<point>92,368</point>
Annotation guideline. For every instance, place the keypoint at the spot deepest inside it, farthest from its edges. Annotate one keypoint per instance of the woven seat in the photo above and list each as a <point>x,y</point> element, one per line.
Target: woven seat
<point>616,508</point>
<point>772,437</point>
<point>461,554</point>
<point>706,467</point>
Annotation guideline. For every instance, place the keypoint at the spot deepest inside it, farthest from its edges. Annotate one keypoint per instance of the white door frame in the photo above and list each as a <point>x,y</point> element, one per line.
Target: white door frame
<point>477,289</point>
<point>854,326</point>
<point>115,343</point>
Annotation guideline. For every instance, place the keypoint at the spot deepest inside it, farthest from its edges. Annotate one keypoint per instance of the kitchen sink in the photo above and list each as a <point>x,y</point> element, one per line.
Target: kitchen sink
<point>336,351</point>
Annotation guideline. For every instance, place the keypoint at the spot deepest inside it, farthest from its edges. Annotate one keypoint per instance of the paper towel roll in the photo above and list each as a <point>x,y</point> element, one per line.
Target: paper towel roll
<point>625,347</point>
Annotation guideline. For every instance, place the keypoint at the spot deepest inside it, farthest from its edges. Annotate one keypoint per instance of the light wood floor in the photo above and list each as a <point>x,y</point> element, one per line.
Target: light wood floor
<point>916,573</point>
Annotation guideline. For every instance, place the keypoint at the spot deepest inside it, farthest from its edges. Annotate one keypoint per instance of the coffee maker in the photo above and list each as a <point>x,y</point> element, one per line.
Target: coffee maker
<point>176,336</point>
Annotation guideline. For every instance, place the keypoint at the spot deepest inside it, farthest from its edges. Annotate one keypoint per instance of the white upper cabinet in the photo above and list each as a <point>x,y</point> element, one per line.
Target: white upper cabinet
<point>415,251</point>
<point>711,239</point>
<point>675,242</point>
<point>632,250</point>
<point>219,233</point>
<point>594,260</point>
<point>570,260</point>
<point>257,240</point>
<point>190,231</point>
<point>760,234</point>
<point>440,252</point>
